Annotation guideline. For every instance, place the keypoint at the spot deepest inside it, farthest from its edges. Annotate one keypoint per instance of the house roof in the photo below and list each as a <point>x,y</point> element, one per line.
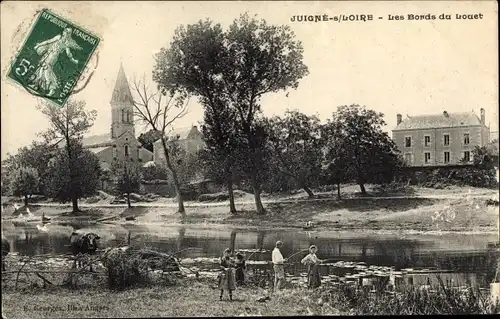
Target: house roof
<point>439,121</point>
<point>182,133</point>
<point>121,92</point>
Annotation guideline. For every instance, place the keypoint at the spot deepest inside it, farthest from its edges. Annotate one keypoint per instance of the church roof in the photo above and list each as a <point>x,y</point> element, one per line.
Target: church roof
<point>96,140</point>
<point>439,121</point>
<point>97,150</point>
<point>121,92</point>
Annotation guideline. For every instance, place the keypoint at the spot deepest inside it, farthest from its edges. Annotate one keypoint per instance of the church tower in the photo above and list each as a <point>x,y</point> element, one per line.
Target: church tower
<point>122,107</point>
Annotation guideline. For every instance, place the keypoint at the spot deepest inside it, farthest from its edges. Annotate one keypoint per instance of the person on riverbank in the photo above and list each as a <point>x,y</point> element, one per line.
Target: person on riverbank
<point>240,269</point>
<point>227,280</point>
<point>312,262</point>
<point>278,265</point>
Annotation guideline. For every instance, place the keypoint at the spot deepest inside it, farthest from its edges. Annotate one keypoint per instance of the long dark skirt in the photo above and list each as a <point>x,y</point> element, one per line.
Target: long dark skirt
<point>313,277</point>
<point>227,280</point>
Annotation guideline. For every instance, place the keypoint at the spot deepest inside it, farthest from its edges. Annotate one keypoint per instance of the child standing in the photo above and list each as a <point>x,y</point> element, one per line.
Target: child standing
<point>226,276</point>
<point>240,269</point>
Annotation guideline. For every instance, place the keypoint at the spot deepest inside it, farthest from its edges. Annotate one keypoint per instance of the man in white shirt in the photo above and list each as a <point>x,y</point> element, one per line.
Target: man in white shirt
<point>279,269</point>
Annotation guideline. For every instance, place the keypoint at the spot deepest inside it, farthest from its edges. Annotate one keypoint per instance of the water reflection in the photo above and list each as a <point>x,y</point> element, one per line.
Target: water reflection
<point>467,255</point>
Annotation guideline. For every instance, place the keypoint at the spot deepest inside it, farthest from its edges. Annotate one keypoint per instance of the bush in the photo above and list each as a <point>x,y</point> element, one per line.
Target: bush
<point>127,267</point>
<point>410,301</point>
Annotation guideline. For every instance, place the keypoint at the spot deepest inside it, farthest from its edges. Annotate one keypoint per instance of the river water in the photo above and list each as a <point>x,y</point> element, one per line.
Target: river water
<point>468,259</point>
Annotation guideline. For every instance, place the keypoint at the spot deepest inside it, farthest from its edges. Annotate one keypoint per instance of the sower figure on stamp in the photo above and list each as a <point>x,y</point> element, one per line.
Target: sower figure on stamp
<point>227,280</point>
<point>44,76</point>
<point>312,262</point>
<point>279,268</point>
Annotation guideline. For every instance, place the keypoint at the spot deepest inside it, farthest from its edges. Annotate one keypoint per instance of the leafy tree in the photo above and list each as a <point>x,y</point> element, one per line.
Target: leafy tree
<point>147,139</point>
<point>197,62</point>
<point>37,156</point>
<point>296,144</point>
<point>188,165</point>
<point>249,60</point>
<point>67,125</point>
<point>156,172</point>
<point>368,152</point>
<point>482,173</point>
<point>85,177</point>
<point>159,111</point>
<point>24,182</point>
<point>336,166</point>
<point>264,59</point>
<point>129,180</point>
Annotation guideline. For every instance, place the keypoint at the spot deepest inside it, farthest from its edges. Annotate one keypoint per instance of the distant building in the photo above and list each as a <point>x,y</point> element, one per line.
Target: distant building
<point>120,144</point>
<point>443,139</point>
<point>189,139</point>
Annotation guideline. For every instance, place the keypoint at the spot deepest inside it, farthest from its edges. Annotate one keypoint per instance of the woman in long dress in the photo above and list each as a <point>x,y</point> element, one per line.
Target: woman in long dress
<point>312,262</point>
<point>227,280</point>
<point>44,77</point>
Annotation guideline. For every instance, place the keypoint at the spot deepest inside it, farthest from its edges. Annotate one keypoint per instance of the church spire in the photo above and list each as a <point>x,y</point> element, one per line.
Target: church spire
<point>121,92</point>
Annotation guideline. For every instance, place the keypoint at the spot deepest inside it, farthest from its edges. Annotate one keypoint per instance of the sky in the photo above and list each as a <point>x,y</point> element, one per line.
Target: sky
<point>408,67</point>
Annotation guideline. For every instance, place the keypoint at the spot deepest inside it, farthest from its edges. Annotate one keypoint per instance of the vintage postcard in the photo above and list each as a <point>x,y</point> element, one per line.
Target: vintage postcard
<point>249,158</point>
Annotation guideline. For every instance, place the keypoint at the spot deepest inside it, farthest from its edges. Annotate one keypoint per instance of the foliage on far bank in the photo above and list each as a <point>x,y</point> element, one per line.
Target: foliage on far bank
<point>481,173</point>
<point>82,181</point>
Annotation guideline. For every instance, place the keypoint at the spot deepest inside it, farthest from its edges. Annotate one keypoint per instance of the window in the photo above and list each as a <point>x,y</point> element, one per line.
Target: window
<point>139,154</point>
<point>427,157</point>
<point>408,141</point>
<point>446,140</point>
<point>466,139</point>
<point>467,156</point>
<point>446,157</point>
<point>115,152</point>
<point>427,140</point>
<point>408,158</point>
<point>126,150</point>
<point>123,116</point>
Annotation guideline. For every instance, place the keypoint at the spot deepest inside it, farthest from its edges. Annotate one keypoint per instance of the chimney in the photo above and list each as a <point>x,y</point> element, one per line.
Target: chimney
<point>445,114</point>
<point>483,117</point>
<point>399,118</point>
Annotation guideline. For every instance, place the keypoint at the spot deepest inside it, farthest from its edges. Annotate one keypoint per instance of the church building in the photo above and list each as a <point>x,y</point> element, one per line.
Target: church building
<point>120,144</point>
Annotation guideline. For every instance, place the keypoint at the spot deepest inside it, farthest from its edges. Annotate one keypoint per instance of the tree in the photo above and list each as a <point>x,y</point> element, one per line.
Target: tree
<point>336,166</point>
<point>147,139</point>
<point>264,59</point>
<point>159,111</point>
<point>85,176</point>
<point>129,180</point>
<point>197,62</point>
<point>370,153</point>
<point>295,142</point>
<point>249,60</point>
<point>24,182</point>
<point>37,156</point>
<point>68,124</point>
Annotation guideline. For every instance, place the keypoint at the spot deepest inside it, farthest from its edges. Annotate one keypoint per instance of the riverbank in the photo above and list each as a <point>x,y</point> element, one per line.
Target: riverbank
<point>453,210</point>
<point>194,298</point>
<point>188,298</point>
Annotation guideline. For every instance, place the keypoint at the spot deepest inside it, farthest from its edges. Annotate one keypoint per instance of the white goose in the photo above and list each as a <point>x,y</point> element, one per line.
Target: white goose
<point>30,214</point>
<point>16,208</point>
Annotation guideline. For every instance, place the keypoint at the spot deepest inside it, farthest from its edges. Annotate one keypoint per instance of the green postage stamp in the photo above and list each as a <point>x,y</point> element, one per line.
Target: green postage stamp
<point>53,57</point>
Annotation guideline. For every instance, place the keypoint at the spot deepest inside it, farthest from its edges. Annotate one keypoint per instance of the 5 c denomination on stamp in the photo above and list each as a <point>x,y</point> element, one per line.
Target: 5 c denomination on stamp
<point>53,57</point>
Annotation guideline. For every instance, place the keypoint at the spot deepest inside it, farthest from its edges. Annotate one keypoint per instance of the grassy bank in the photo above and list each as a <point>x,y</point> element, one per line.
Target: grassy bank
<point>199,298</point>
<point>463,211</point>
<point>187,298</point>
